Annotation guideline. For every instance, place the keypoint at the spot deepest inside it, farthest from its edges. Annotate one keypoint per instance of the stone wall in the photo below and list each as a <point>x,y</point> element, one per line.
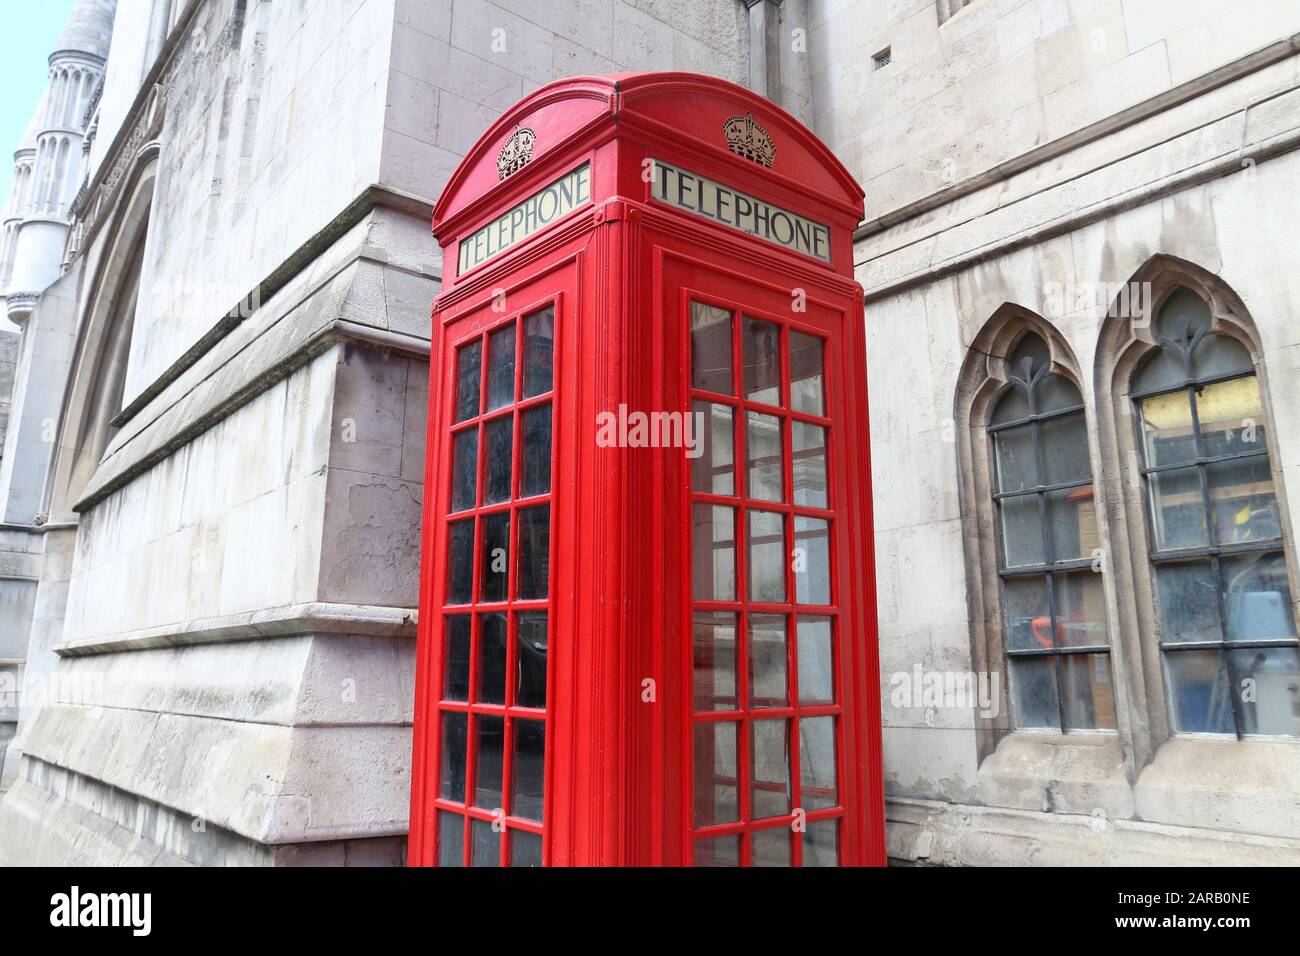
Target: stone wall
<point>1014,155</point>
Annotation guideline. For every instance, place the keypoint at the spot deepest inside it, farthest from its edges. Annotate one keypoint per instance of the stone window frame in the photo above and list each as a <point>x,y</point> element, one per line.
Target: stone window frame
<point>984,379</point>
<point>947,9</point>
<point>1127,337</point>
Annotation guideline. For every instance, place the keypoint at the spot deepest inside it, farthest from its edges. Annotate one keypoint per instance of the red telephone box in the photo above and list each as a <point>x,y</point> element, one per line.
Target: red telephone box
<point>647,612</point>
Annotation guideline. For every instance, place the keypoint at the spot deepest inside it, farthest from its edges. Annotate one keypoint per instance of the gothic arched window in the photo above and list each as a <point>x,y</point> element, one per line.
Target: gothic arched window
<point>1223,599</point>
<point>1053,607</point>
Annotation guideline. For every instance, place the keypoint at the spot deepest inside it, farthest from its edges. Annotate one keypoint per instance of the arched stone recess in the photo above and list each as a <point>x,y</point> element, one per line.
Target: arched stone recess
<point>984,379</point>
<point>95,387</point>
<point>1126,338</point>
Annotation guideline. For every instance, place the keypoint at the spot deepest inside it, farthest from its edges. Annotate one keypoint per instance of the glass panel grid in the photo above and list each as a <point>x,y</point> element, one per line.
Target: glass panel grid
<point>757,635</point>
<point>1052,599</point>
<point>1223,598</point>
<point>492,713</point>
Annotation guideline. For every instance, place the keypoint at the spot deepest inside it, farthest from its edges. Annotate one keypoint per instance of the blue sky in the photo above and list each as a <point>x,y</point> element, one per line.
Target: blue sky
<point>30,29</point>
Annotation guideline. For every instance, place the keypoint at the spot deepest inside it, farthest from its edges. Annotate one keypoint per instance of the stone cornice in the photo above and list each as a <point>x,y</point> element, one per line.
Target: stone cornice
<point>291,620</point>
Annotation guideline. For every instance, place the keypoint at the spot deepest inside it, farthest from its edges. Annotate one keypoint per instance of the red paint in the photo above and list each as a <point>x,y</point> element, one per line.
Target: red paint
<point>620,272</point>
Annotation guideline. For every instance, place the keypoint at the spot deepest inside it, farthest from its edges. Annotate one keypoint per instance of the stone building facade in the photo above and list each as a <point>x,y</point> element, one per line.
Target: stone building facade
<point>211,481</point>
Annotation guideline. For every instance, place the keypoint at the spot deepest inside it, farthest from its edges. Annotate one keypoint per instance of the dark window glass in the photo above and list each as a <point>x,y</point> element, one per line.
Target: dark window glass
<point>761,346</point>
<point>464,469</point>
<point>525,848</point>
<point>710,348</point>
<point>501,368</point>
<point>460,562</point>
<point>451,839</point>
<point>469,360</point>
<point>496,555</point>
<point>456,638</point>
<point>807,391</point>
<point>539,351</point>
<point>536,477</point>
<point>492,659</point>
<point>454,741</point>
<point>534,553</point>
<point>497,460</point>
<point>530,655</point>
<point>529,769</point>
<point>485,844</point>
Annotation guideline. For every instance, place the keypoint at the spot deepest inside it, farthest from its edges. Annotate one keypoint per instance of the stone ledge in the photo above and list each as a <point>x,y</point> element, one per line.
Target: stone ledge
<point>53,817</point>
<point>287,621</point>
<point>268,783</point>
<point>946,834</point>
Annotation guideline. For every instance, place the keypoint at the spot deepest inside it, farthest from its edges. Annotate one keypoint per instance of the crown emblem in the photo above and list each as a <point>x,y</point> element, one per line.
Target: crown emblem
<point>746,138</point>
<point>516,153</point>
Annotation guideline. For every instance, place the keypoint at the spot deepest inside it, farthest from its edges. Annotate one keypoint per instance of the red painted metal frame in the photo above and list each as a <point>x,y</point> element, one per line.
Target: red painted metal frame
<point>621,270</point>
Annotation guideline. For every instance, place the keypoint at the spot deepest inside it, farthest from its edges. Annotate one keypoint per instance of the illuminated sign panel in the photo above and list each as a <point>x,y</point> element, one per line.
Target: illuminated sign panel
<point>535,213</point>
<point>750,215</point>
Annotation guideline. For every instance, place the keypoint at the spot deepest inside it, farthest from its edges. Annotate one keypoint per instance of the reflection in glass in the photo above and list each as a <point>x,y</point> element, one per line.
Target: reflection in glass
<point>809,462</point>
<point>766,557</point>
<point>1178,509</point>
<point>817,776</point>
<point>469,359</point>
<point>1242,502</point>
<point>806,388</point>
<point>490,731</point>
<point>492,659</point>
<point>713,471</point>
<point>816,660</point>
<point>455,734</point>
<point>496,556</point>
<point>710,348</point>
<point>451,839</point>
<point>771,847</point>
<point>501,368</point>
<point>761,346</point>
<point>1089,693</point>
<point>498,460</point>
<point>485,844</point>
<point>464,468</point>
<point>1034,699</point>
<point>1200,693</point>
<point>763,451</point>
<point>1080,609</point>
<point>821,843</point>
<point>717,851</point>
<point>1274,672</point>
<point>539,351</point>
<point>525,848</point>
<point>714,643</point>
<point>1258,598</point>
<point>528,770</point>
<point>770,768</point>
<point>714,764</point>
<point>767,660</point>
<point>1065,449</point>
<point>1022,531</point>
<point>530,660</point>
<point>460,562</point>
<point>714,553</point>
<point>1072,520</point>
<point>536,467</point>
<point>1014,454</point>
<point>1025,613</point>
<point>534,553</point>
<point>813,560</point>
<point>1187,599</point>
<point>456,651</point>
